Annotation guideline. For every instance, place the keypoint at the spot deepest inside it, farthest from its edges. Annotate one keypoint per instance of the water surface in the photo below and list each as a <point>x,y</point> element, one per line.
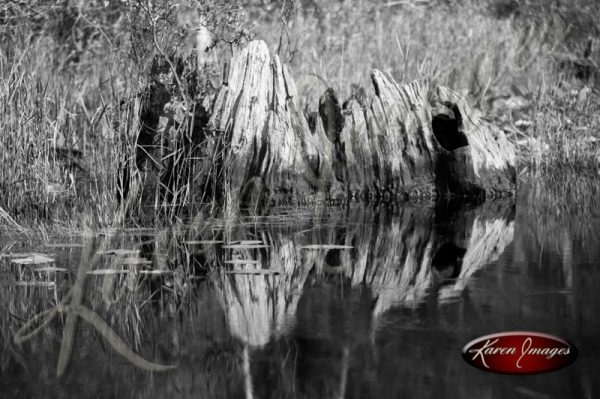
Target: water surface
<point>373,302</point>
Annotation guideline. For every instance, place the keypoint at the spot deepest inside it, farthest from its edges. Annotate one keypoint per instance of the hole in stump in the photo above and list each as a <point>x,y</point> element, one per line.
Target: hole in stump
<point>447,129</point>
<point>448,261</point>
<point>333,258</point>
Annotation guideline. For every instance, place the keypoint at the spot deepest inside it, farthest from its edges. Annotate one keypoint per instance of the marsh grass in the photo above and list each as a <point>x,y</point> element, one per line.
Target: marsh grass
<point>464,47</point>
<point>565,131</point>
<point>72,81</point>
<point>60,148</point>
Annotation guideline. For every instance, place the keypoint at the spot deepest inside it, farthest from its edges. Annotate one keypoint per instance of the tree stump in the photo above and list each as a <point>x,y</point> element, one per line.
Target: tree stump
<point>411,141</point>
<point>476,157</point>
<point>270,153</point>
<point>387,147</point>
<point>420,140</point>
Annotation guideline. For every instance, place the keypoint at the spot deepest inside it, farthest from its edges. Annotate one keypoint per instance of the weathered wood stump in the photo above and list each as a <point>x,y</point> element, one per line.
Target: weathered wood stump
<point>420,140</point>
<point>412,141</point>
<point>387,149</point>
<point>476,157</point>
<point>270,153</point>
<point>404,141</point>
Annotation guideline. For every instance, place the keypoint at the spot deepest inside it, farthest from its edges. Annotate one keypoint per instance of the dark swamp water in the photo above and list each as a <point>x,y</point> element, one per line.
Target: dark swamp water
<point>364,304</point>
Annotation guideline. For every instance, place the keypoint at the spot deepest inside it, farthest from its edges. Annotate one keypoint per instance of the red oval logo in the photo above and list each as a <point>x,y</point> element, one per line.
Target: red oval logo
<point>519,352</point>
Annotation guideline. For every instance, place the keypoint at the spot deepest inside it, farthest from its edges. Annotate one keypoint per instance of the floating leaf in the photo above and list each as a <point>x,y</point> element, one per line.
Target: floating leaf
<point>134,261</point>
<point>203,242</point>
<point>33,259</point>
<point>256,272</point>
<point>243,262</point>
<point>326,246</point>
<point>103,272</point>
<point>155,272</point>
<point>245,242</point>
<point>21,254</point>
<point>245,246</point>
<point>44,284</point>
<point>50,269</point>
<point>63,245</point>
<point>122,252</point>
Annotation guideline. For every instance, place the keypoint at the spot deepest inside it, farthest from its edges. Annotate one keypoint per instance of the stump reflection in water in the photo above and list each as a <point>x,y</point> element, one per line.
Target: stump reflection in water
<point>311,296</point>
<point>383,260</point>
<point>401,258</point>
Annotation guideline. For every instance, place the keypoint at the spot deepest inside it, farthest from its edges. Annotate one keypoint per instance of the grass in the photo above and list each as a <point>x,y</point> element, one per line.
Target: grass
<point>564,132</point>
<point>71,89</point>
<point>50,123</point>
<point>72,86</point>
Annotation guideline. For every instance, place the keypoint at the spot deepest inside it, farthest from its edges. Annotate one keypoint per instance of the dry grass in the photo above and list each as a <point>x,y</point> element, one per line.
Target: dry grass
<point>72,82</point>
<point>65,131</point>
<point>337,44</point>
<point>565,131</point>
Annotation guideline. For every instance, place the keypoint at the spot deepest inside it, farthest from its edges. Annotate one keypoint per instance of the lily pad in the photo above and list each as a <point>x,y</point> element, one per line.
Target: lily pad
<point>155,272</point>
<point>203,242</point>
<point>50,269</point>
<point>326,246</point>
<point>45,284</point>
<point>33,259</point>
<point>245,242</point>
<point>261,272</point>
<point>245,246</point>
<point>243,262</point>
<point>104,272</point>
<point>122,252</point>
<point>134,261</point>
<point>63,245</point>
